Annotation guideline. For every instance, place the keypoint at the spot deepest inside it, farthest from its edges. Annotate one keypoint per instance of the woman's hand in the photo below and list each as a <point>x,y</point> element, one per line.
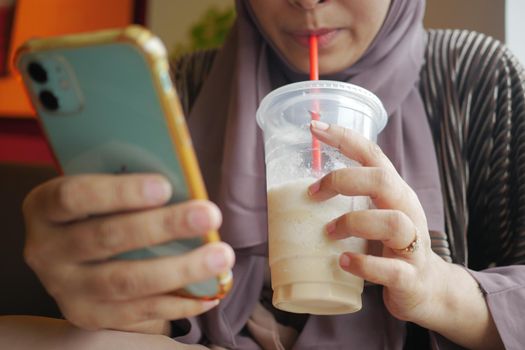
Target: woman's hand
<point>408,269</point>
<point>74,224</point>
<point>419,286</point>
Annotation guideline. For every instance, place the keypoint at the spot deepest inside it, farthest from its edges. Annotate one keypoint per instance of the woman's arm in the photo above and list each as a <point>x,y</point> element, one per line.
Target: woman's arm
<point>29,332</point>
<point>503,290</point>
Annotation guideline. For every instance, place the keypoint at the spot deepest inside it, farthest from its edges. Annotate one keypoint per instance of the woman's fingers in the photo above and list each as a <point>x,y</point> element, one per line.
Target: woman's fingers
<point>125,280</point>
<point>403,269</point>
<point>377,179</point>
<point>351,144</point>
<point>122,294</point>
<point>104,237</point>
<point>359,181</point>
<point>386,189</point>
<point>71,198</point>
<point>392,273</point>
<point>392,227</point>
<point>408,286</point>
<point>75,224</point>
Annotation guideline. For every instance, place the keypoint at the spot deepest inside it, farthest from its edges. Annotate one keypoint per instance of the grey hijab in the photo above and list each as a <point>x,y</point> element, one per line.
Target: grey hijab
<point>230,149</point>
<point>228,141</point>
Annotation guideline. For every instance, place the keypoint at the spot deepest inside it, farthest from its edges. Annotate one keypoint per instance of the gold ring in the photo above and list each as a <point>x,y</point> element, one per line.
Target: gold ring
<point>413,246</point>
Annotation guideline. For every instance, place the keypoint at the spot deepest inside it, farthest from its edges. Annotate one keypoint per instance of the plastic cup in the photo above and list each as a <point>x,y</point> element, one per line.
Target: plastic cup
<point>305,273</point>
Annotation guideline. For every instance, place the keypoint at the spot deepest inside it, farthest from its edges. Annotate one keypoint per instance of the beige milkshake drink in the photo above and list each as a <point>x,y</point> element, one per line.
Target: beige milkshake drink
<point>306,276</point>
<point>304,263</point>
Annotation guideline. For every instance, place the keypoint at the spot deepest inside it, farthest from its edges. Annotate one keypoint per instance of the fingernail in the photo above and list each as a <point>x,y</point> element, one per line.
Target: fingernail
<point>217,261</point>
<point>198,219</point>
<point>314,188</point>
<point>319,125</point>
<point>156,190</point>
<point>344,261</point>
<point>209,304</point>
<point>330,227</point>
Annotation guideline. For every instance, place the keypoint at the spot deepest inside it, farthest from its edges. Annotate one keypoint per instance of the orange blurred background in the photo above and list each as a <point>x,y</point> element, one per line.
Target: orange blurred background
<point>20,136</point>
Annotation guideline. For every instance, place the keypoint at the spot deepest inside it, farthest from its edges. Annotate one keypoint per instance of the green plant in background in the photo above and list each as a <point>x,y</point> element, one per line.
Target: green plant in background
<point>208,32</point>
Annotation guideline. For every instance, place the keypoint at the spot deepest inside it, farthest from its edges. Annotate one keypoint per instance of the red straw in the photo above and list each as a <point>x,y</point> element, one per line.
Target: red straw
<point>314,61</point>
<point>314,75</point>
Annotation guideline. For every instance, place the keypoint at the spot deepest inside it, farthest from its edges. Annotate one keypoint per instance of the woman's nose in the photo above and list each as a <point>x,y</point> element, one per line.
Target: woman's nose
<point>306,4</point>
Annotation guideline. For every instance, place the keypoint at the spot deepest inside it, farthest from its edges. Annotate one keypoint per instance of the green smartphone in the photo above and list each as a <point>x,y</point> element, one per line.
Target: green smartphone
<point>106,104</point>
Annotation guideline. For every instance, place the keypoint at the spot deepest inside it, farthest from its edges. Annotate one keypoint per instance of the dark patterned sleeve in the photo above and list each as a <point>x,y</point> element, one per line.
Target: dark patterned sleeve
<point>479,128</point>
<point>497,233</point>
<point>496,145</point>
<point>189,73</point>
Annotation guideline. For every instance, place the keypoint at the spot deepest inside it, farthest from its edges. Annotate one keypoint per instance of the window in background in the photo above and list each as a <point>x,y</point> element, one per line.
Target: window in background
<point>485,16</point>
<point>187,25</point>
<point>515,28</point>
<point>209,31</point>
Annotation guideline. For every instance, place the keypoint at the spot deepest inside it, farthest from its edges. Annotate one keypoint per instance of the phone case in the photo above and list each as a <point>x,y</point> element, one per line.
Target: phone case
<point>106,103</point>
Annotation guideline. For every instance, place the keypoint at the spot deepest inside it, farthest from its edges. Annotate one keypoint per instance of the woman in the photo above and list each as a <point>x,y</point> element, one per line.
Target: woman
<point>378,44</point>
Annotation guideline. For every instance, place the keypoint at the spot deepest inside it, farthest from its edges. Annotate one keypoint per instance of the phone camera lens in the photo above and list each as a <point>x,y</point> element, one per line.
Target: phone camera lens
<point>48,100</point>
<point>37,72</point>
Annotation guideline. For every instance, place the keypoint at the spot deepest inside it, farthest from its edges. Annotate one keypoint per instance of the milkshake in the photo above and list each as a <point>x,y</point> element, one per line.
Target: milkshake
<point>304,263</point>
<point>306,276</point>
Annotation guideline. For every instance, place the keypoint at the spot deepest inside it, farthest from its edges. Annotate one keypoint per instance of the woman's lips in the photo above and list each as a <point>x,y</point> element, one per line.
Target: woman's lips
<point>324,37</point>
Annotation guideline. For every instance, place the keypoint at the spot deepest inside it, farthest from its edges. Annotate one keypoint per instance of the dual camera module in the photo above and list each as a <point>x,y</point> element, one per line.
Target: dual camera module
<point>38,74</point>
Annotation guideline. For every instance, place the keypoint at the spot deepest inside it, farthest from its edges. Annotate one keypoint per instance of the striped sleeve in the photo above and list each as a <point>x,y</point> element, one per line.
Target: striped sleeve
<point>473,88</point>
<point>189,73</point>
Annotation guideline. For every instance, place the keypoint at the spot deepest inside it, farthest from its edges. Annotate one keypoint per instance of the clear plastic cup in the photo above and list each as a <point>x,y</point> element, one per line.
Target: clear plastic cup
<point>305,273</point>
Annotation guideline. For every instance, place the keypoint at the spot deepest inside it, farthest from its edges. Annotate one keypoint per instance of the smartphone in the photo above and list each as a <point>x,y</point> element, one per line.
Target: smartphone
<point>106,103</point>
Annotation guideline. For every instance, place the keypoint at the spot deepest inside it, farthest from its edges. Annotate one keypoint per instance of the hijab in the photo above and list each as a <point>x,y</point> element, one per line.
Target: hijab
<point>228,141</point>
<point>230,149</point>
